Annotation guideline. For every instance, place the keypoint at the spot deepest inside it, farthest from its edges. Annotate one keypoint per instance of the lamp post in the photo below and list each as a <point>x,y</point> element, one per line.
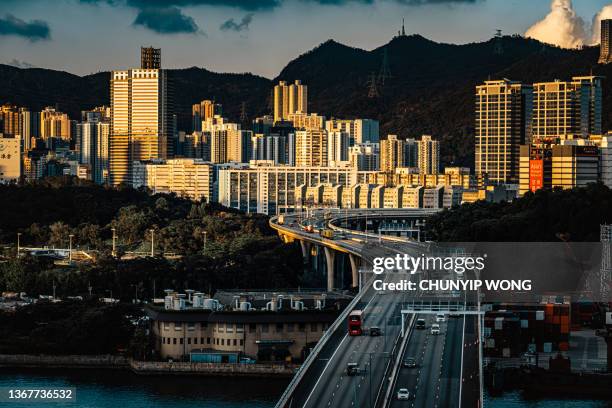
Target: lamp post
<point>114,251</point>
<point>70,247</point>
<point>152,242</point>
<point>18,243</point>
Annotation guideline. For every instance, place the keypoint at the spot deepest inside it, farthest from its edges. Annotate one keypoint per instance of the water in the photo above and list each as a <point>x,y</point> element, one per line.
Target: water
<point>120,389</point>
<point>515,400</point>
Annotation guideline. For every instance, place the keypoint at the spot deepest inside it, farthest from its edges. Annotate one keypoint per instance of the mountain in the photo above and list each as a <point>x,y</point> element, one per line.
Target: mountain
<point>430,89</point>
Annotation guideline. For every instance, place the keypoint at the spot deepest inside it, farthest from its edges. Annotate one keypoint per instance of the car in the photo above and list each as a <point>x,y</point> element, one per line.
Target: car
<point>409,362</point>
<point>403,394</point>
<point>440,317</point>
<point>435,329</point>
<point>420,324</point>
<point>352,369</point>
<point>375,331</point>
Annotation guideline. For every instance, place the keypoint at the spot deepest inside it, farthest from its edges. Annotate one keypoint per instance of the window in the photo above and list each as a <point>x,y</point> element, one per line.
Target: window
<point>188,340</point>
<point>166,326</point>
<point>302,327</point>
<point>290,327</point>
<point>191,326</point>
<point>252,327</point>
<point>163,340</point>
<point>223,342</point>
<point>174,340</point>
<point>264,327</point>
<point>220,328</point>
<point>208,340</point>
<point>182,341</point>
<point>241,342</point>
<point>279,327</point>
<point>235,342</point>
<point>239,328</point>
<point>195,340</point>
<point>178,326</point>
<point>229,328</point>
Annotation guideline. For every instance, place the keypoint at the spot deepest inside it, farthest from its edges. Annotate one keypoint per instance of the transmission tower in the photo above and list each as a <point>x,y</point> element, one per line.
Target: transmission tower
<point>385,72</point>
<point>498,48</point>
<point>243,113</point>
<point>373,87</point>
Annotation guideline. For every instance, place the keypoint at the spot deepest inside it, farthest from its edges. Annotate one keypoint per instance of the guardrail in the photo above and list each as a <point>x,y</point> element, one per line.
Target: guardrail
<point>396,367</point>
<point>286,396</point>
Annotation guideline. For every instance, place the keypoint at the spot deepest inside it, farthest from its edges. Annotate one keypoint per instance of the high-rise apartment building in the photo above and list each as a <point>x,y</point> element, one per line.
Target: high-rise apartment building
<point>150,58</point>
<point>365,156</point>
<point>391,153</point>
<point>142,120</point>
<point>428,155</point>
<point>54,124</point>
<point>567,107</point>
<point>306,121</point>
<point>238,145</point>
<point>92,143</point>
<point>605,53</point>
<point>503,123</point>
<point>288,99</point>
<point>359,130</point>
<point>203,111</point>
<point>189,178</point>
<point>10,159</point>
<point>411,153</point>
<point>20,123</point>
<point>311,148</point>
<point>337,147</point>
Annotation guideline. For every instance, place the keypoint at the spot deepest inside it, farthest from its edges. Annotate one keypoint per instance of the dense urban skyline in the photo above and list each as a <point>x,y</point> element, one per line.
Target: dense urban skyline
<point>235,36</point>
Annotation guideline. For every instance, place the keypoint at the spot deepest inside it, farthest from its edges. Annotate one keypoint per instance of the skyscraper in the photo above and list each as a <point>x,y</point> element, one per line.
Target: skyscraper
<point>54,124</point>
<point>204,110</point>
<point>142,122</point>
<point>337,147</point>
<point>150,58</point>
<point>503,123</point>
<point>428,155</point>
<point>567,107</point>
<point>605,53</point>
<point>391,153</point>
<point>289,99</point>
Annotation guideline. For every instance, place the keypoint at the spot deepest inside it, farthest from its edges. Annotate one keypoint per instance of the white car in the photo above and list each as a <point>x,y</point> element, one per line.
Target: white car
<point>440,318</point>
<point>403,394</point>
<point>435,329</point>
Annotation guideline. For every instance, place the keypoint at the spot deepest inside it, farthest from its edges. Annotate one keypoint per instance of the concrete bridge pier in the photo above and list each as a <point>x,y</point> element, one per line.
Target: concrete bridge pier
<point>354,270</point>
<point>330,257</point>
<point>305,250</point>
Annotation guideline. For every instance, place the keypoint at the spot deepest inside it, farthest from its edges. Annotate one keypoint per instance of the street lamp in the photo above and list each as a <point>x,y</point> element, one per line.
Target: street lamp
<point>18,243</point>
<point>70,247</point>
<point>152,242</point>
<point>114,251</point>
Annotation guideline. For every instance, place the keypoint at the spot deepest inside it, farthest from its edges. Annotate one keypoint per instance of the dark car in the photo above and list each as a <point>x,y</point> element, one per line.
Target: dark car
<point>375,331</point>
<point>352,369</point>
<point>420,324</point>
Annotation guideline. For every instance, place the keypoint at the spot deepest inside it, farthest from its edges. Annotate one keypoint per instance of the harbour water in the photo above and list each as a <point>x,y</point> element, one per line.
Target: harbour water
<point>120,389</point>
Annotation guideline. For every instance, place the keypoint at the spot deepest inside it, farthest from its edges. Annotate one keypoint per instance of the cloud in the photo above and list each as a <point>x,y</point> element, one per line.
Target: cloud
<point>231,25</point>
<point>562,26</point>
<point>166,20</point>
<point>604,13</point>
<point>20,64</point>
<point>249,5</point>
<point>33,30</point>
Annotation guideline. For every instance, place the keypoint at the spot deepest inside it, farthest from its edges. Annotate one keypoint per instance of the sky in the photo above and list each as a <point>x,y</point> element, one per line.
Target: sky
<point>262,36</point>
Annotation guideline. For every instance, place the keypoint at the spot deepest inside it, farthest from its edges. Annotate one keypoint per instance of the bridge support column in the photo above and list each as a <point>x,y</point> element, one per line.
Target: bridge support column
<point>330,256</point>
<point>354,270</point>
<point>305,250</point>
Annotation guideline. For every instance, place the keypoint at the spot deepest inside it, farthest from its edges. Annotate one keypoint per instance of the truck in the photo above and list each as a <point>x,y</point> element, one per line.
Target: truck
<point>281,219</point>
<point>327,233</point>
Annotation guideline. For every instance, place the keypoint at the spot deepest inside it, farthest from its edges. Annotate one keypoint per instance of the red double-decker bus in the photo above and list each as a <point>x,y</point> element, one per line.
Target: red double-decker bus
<point>354,323</point>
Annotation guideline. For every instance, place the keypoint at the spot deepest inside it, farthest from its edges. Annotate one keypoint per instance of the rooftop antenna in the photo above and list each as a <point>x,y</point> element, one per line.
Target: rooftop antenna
<point>403,30</point>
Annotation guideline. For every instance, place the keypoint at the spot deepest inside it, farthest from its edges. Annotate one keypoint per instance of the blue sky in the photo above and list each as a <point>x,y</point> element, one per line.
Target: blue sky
<point>259,36</point>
